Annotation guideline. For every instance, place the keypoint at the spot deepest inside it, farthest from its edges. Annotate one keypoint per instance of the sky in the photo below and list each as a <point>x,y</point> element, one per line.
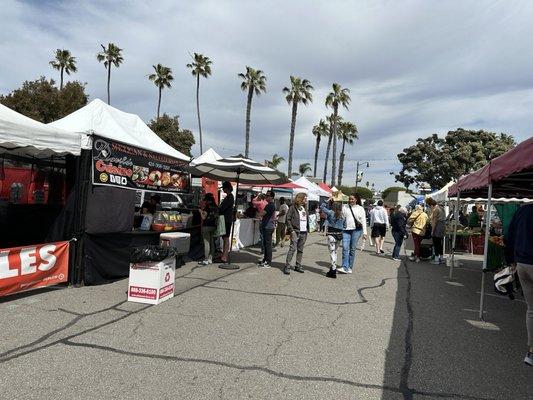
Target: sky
<point>413,68</point>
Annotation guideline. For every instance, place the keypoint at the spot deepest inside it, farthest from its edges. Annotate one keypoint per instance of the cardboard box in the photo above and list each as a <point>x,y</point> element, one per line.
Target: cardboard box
<point>152,282</point>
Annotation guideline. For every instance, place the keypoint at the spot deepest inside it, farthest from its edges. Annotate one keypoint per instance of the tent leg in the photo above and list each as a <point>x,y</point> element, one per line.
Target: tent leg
<point>229,265</point>
<point>485,251</point>
<point>454,237</point>
<point>482,296</point>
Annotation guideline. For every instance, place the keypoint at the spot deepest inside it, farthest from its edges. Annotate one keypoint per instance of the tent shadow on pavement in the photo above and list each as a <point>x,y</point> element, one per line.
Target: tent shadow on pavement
<point>439,348</point>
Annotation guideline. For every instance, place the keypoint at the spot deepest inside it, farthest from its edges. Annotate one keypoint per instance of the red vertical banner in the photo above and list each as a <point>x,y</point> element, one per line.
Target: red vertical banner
<point>29,267</point>
<point>210,186</point>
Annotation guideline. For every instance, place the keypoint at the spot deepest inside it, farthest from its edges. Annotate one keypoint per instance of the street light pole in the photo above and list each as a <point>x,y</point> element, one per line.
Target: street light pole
<point>359,163</point>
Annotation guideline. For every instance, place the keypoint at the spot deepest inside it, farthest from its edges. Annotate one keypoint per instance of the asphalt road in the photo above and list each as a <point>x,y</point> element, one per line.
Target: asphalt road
<point>391,330</point>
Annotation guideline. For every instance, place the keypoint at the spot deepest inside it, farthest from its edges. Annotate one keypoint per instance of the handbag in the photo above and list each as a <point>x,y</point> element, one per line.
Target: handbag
<point>221,226</point>
<point>358,225</point>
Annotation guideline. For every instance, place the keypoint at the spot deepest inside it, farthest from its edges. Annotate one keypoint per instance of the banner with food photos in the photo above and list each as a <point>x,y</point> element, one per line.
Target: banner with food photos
<point>122,165</point>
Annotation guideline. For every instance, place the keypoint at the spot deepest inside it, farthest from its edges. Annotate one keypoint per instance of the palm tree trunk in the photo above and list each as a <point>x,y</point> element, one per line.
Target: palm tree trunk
<point>108,83</point>
<point>317,147</point>
<point>198,111</point>
<point>248,110</point>
<point>159,102</point>
<point>328,148</point>
<point>334,155</point>
<point>61,83</point>
<point>291,143</point>
<point>341,162</point>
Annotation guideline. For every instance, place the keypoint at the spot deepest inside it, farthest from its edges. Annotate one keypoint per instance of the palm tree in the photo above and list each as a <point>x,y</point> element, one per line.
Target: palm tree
<point>337,97</point>
<point>320,130</point>
<point>201,66</point>
<point>112,55</point>
<point>299,92</point>
<point>329,124</point>
<point>254,81</point>
<point>162,78</point>
<point>275,162</point>
<point>64,62</point>
<point>348,133</point>
<point>304,168</point>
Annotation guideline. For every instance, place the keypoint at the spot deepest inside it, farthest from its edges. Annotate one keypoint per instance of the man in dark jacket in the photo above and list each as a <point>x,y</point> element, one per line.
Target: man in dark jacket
<point>399,230</point>
<point>519,251</point>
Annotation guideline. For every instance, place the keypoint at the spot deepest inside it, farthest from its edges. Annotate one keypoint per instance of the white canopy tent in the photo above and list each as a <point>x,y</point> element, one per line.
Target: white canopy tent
<point>441,195</point>
<point>314,192</point>
<point>208,156</point>
<point>101,119</point>
<point>23,136</point>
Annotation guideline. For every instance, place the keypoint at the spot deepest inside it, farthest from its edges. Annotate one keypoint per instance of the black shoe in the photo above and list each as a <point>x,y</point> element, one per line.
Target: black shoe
<point>287,270</point>
<point>332,273</point>
<point>260,263</point>
<point>299,269</point>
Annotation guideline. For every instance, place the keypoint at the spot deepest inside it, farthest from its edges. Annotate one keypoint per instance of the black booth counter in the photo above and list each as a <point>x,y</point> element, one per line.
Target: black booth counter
<point>107,255</point>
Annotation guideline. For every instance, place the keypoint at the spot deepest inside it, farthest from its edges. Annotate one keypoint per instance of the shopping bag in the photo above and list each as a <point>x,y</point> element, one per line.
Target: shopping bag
<point>221,226</point>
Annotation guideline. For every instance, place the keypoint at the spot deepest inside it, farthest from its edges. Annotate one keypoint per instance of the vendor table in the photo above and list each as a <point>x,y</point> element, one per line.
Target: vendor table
<point>107,256</point>
<point>246,233</point>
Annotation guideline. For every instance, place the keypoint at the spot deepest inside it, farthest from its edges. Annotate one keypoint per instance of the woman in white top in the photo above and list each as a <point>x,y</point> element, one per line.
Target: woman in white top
<point>355,216</point>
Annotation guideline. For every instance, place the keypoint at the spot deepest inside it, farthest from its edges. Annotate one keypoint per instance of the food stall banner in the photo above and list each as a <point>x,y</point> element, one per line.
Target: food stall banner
<point>29,267</point>
<point>122,165</point>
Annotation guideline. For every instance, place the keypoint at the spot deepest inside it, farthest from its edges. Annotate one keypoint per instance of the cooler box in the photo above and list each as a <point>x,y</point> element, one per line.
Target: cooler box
<point>152,282</point>
<point>181,241</point>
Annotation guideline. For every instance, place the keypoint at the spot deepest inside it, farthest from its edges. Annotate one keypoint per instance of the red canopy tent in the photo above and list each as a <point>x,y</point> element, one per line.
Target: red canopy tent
<point>288,185</point>
<point>507,176</point>
<point>510,174</point>
<point>325,187</point>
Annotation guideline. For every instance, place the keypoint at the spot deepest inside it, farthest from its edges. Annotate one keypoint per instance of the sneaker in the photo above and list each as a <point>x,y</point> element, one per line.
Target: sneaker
<point>417,259</point>
<point>332,273</point>
<point>204,262</point>
<point>412,258</point>
<point>342,270</point>
<point>299,269</point>
<point>434,262</point>
<point>349,271</point>
<point>529,359</point>
<point>396,258</point>
<point>260,263</point>
<point>287,270</point>
<point>264,265</point>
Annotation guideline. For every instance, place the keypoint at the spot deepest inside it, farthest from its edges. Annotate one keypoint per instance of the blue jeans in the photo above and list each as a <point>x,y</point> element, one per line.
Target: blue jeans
<point>398,240</point>
<point>349,246</point>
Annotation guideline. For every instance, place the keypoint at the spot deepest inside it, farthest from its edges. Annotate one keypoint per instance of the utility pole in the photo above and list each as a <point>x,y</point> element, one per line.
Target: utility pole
<point>359,163</point>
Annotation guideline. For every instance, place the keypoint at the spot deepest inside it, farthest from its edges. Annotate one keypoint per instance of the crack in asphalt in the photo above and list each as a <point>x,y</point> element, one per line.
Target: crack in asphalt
<point>408,341</point>
<point>292,296</point>
<point>259,368</point>
<point>78,317</point>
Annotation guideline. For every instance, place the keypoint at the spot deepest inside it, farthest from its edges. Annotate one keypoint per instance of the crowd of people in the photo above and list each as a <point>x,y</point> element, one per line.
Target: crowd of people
<point>344,225</point>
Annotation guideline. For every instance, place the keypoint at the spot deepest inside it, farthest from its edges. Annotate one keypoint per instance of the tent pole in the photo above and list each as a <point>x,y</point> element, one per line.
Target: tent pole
<point>454,237</point>
<point>485,252</point>
<point>229,265</point>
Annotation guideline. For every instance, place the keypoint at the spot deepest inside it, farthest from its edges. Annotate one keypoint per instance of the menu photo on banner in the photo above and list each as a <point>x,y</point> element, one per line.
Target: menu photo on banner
<point>29,267</point>
<point>122,165</point>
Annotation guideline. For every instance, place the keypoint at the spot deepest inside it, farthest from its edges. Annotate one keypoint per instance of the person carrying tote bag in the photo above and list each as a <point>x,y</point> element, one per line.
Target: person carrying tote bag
<point>336,222</point>
<point>209,215</point>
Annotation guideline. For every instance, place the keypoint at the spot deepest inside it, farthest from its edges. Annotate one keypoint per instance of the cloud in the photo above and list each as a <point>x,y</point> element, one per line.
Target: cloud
<point>413,67</point>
